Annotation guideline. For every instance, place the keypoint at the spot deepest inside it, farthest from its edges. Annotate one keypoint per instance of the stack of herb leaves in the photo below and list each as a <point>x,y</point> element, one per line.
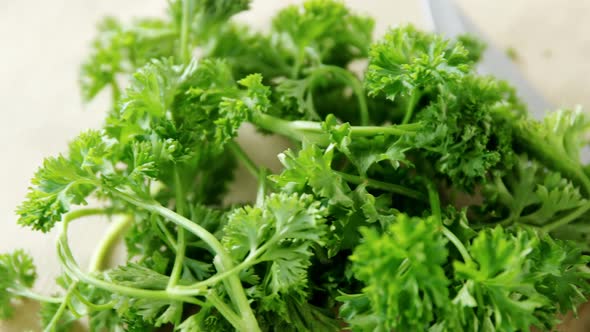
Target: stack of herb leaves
<point>418,195</point>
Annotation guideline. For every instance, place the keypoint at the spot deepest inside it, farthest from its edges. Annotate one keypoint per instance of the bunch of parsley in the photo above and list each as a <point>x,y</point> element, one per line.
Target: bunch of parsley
<point>418,197</point>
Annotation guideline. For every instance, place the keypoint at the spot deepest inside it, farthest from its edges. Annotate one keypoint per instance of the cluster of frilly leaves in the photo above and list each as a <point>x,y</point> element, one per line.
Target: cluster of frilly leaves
<point>418,195</point>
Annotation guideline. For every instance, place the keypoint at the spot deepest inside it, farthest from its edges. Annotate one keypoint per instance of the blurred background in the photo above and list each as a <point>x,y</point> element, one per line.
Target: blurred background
<point>43,43</point>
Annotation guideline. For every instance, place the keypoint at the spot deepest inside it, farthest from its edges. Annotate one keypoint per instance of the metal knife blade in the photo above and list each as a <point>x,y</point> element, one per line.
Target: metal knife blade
<point>446,18</point>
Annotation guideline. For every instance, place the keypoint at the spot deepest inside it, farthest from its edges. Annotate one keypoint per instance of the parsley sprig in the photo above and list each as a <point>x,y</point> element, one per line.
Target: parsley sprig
<point>418,196</point>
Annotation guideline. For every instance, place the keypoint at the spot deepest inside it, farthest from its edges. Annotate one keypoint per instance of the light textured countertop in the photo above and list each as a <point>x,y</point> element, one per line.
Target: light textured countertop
<point>43,43</point>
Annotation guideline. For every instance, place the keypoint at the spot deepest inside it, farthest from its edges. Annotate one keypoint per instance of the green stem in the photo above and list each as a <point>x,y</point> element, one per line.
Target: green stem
<point>111,237</point>
<point>163,233</point>
<point>434,199</point>
<point>299,58</point>
<point>458,244</point>
<point>394,188</point>
<point>93,306</point>
<point>297,130</point>
<point>357,87</point>
<point>252,259</point>
<point>414,98</point>
<point>311,131</point>
<point>531,218</point>
<point>95,263</point>
<point>180,238</point>
<point>235,290</point>
<point>395,130</point>
<point>61,309</point>
<point>116,93</point>
<point>260,194</point>
<point>80,213</point>
<point>567,219</point>
<point>155,207</point>
<point>73,269</point>
<point>348,77</point>
<point>199,287</point>
<point>184,30</point>
<point>237,150</point>
<point>506,221</point>
<point>35,296</point>
<point>226,311</point>
<point>503,193</point>
<point>98,257</point>
<point>403,267</point>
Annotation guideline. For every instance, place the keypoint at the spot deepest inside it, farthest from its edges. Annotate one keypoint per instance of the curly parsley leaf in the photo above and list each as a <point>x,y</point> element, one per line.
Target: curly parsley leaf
<point>532,195</point>
<point>498,276</point>
<point>344,232</point>
<point>403,277</point>
<point>310,167</point>
<point>64,181</point>
<point>279,238</point>
<point>563,133</point>
<point>409,61</point>
<point>120,49</point>
<point>323,31</point>
<point>17,274</point>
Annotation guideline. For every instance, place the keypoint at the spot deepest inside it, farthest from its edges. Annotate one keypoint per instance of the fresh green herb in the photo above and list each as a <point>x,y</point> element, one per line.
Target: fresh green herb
<point>366,228</point>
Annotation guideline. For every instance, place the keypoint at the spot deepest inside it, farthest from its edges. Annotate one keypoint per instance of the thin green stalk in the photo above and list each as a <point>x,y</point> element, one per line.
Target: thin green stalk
<point>226,311</point>
<point>363,108</point>
<point>184,30</point>
<point>356,86</point>
<point>434,200</point>
<point>252,259</point>
<point>534,217</point>
<point>567,219</point>
<point>394,188</point>
<point>395,130</point>
<point>93,306</point>
<point>458,244</point>
<point>96,262</point>
<point>250,165</point>
<point>71,266</point>
<point>198,287</point>
<point>297,65</point>
<point>414,98</point>
<point>311,131</point>
<point>261,193</point>
<point>503,193</point>
<point>35,296</point>
<point>111,237</point>
<point>74,310</point>
<point>115,92</point>
<point>75,272</point>
<point>180,239</point>
<point>98,256</point>
<point>163,233</point>
<point>61,309</point>
<point>86,212</point>
<point>236,289</point>
<point>296,130</point>
<point>177,219</point>
<point>506,221</point>
<point>403,267</point>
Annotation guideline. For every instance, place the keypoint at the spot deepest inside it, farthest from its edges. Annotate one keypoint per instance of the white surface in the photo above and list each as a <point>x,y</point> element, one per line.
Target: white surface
<point>43,43</point>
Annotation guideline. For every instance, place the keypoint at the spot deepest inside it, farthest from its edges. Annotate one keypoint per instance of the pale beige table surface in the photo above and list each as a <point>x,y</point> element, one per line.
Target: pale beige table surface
<point>42,43</point>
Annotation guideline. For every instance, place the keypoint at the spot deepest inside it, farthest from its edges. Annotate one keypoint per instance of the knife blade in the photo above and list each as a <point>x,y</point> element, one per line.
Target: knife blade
<point>446,18</point>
